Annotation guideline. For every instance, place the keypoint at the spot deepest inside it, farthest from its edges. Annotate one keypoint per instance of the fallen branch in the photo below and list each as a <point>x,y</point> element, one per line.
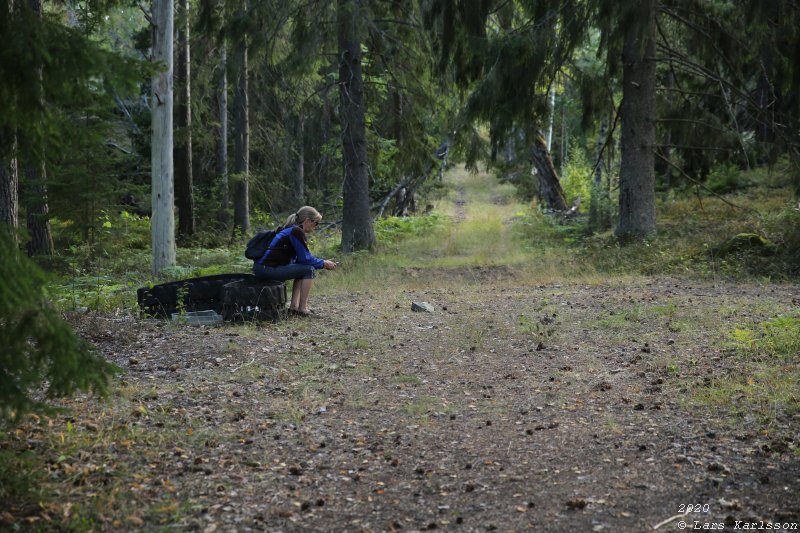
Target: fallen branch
<point>244,365</point>
<point>668,520</point>
<point>389,196</point>
<point>700,185</point>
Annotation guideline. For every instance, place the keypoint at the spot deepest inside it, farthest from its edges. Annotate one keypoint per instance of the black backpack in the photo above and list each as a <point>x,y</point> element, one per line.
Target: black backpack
<point>258,245</point>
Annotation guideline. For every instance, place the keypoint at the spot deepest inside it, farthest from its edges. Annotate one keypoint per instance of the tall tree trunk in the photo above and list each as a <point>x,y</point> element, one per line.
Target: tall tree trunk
<point>222,138</point>
<point>564,148</point>
<point>670,83</point>
<point>241,141</point>
<point>33,161</point>
<point>551,101</point>
<point>324,166</point>
<point>36,206</point>
<point>357,230</point>
<point>549,187</point>
<point>9,177</point>
<point>299,169</point>
<point>765,98</point>
<point>598,216</point>
<point>163,194</point>
<point>184,193</point>
<point>9,183</point>
<point>637,206</point>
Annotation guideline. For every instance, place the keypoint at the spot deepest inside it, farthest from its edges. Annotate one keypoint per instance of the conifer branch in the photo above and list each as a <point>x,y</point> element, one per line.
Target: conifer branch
<point>147,15</point>
<point>609,136</point>
<point>700,185</point>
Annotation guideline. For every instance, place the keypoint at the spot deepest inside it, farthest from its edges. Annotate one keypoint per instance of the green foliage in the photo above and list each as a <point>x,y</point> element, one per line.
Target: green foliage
<point>783,228</point>
<point>726,178</point>
<point>778,338</point>
<point>392,229</point>
<point>602,209</point>
<point>576,180</point>
<point>18,474</point>
<point>690,232</point>
<point>768,385</point>
<point>39,348</point>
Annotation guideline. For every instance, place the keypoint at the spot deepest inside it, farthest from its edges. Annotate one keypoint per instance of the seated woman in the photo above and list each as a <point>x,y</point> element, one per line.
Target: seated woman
<point>288,257</point>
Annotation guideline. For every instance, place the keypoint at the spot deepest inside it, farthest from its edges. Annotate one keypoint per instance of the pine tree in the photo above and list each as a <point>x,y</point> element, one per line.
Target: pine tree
<point>184,182</point>
<point>637,206</point>
<point>357,230</point>
<point>241,140</point>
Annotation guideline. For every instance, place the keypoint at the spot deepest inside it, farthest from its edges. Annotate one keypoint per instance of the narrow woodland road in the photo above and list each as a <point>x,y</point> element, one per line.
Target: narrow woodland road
<point>554,406</point>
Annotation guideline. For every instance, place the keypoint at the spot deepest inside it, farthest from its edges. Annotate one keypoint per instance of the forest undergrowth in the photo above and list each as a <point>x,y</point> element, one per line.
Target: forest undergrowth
<point>563,382</point>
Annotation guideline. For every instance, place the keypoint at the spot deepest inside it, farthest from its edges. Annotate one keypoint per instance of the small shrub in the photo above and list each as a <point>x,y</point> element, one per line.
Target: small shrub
<point>577,177</point>
<point>726,178</point>
<point>784,229</point>
<point>392,229</point>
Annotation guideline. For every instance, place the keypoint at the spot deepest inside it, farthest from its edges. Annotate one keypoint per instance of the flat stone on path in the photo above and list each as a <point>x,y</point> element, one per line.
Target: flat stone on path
<point>421,307</point>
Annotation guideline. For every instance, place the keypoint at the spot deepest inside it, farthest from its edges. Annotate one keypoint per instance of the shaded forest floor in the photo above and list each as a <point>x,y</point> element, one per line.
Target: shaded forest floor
<point>518,403</point>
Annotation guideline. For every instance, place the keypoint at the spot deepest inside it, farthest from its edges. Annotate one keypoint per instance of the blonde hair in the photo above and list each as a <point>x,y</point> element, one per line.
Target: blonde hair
<point>304,213</point>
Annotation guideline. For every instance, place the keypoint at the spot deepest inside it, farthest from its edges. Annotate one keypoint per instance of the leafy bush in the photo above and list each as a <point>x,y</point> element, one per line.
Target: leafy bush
<point>40,350</point>
<point>577,177</point>
<point>395,228</point>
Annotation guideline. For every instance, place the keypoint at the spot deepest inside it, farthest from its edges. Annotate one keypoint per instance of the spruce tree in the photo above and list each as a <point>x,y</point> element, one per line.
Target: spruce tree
<point>42,358</point>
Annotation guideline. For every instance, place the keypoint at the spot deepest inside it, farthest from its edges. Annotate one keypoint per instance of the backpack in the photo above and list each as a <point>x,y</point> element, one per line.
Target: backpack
<point>258,245</point>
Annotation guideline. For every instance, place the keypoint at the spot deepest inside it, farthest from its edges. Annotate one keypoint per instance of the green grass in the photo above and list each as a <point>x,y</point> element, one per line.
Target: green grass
<point>766,391</point>
<point>768,383</point>
<point>437,252</point>
<point>776,339</point>
<point>404,379</point>
<point>422,406</point>
<point>491,229</point>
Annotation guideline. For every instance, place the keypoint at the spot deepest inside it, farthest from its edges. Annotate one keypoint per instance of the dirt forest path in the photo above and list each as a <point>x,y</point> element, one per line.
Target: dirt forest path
<point>553,406</point>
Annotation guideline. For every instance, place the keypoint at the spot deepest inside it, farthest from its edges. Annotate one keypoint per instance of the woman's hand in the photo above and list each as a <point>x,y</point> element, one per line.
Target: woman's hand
<point>329,265</point>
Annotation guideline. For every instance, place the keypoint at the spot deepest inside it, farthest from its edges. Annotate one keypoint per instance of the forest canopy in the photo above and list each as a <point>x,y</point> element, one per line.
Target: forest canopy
<point>265,112</point>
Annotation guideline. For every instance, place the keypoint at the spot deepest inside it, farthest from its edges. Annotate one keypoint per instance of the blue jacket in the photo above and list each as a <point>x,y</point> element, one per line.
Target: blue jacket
<point>289,247</point>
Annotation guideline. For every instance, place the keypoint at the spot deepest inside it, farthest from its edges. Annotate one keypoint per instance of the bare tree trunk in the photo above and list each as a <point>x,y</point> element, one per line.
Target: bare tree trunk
<point>598,216</point>
<point>9,183</point>
<point>9,175</point>
<point>163,218</point>
<point>299,169</point>
<point>36,206</point>
<point>668,140</point>
<point>241,141</point>
<point>33,161</point>
<point>357,230</point>
<point>549,187</point>
<point>766,98</point>
<point>222,138</point>
<point>598,169</point>
<point>563,149</point>
<point>551,101</point>
<point>637,206</point>
<point>184,183</point>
